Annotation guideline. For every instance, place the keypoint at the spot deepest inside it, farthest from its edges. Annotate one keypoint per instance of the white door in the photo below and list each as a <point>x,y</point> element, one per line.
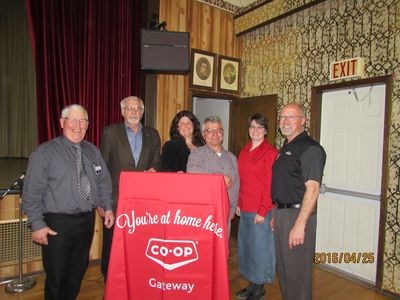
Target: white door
<point>352,123</point>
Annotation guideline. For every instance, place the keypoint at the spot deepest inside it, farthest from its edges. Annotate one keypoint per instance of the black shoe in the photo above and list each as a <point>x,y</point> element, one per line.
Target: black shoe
<point>243,293</point>
<point>256,295</point>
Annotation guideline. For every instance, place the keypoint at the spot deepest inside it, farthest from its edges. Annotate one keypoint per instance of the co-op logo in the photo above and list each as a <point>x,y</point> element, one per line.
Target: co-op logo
<point>171,254</point>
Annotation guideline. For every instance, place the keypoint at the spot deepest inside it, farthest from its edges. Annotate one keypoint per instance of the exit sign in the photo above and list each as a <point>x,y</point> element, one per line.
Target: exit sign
<point>348,68</point>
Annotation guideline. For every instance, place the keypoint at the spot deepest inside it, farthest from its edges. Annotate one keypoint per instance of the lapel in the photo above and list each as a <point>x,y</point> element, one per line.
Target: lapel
<point>145,146</point>
<point>125,149</point>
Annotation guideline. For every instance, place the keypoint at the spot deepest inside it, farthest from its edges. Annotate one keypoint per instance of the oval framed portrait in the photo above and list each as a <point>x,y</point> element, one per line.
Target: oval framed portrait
<point>203,66</point>
<point>229,74</point>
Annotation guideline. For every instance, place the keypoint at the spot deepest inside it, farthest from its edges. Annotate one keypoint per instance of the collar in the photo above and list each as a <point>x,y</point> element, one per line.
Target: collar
<point>210,149</point>
<point>68,143</point>
<point>296,139</point>
<point>131,130</point>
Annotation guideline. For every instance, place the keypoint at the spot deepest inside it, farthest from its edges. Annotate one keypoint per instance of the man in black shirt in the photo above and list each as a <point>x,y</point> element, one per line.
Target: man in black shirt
<point>296,178</point>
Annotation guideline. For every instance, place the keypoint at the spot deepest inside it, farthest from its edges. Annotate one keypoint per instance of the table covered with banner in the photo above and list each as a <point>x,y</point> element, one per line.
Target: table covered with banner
<point>170,238</point>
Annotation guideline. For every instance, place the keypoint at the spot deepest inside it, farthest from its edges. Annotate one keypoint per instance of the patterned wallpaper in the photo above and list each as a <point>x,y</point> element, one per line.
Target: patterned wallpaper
<point>268,12</point>
<point>290,56</point>
<point>235,9</point>
<point>222,5</point>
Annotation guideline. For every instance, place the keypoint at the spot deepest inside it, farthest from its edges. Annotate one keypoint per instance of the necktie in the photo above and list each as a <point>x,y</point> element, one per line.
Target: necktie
<point>83,180</point>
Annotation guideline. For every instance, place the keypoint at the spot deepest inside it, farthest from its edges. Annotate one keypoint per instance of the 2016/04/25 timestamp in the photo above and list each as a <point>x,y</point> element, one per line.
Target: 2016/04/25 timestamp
<point>344,257</point>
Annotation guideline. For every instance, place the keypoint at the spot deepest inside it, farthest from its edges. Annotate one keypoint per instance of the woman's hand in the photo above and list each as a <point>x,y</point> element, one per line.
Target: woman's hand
<point>258,219</point>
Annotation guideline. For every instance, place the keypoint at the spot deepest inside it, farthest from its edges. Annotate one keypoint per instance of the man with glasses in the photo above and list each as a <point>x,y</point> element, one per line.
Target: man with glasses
<point>296,179</point>
<point>65,181</point>
<point>128,146</point>
<point>212,158</point>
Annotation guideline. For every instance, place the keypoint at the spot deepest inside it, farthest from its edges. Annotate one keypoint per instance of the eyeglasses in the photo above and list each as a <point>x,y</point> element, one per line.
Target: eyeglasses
<point>290,118</point>
<point>130,108</point>
<point>256,127</point>
<point>80,122</point>
<point>210,131</point>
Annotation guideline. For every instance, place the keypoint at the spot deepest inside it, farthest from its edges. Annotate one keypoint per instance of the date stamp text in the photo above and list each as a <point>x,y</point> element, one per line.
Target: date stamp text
<point>344,257</point>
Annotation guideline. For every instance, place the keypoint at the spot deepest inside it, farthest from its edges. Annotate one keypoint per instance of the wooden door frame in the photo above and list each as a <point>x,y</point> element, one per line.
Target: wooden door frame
<point>235,99</point>
<point>315,128</point>
<point>248,106</point>
<point>212,95</point>
<point>208,94</point>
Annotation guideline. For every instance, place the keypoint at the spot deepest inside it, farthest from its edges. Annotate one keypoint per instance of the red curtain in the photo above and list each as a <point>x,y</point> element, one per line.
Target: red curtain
<point>86,52</point>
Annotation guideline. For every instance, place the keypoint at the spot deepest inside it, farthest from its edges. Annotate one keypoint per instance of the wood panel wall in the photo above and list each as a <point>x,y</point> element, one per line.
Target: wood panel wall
<point>211,29</point>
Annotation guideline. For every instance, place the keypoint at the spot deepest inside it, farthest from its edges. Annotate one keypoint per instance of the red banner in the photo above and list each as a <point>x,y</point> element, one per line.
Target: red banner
<point>170,238</point>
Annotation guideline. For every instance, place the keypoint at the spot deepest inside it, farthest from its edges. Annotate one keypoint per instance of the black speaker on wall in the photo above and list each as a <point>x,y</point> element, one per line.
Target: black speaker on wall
<point>165,51</point>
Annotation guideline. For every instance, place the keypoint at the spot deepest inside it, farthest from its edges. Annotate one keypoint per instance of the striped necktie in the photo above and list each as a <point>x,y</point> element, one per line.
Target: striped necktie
<point>83,180</point>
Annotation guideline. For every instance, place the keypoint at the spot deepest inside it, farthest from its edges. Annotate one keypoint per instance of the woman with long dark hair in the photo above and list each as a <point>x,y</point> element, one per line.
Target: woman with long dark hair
<point>185,136</point>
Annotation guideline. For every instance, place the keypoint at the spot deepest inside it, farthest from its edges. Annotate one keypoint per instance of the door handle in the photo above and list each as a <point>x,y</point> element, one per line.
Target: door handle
<point>322,189</point>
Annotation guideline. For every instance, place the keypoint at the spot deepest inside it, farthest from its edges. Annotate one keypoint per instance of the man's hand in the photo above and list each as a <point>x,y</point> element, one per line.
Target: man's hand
<point>100,210</point>
<point>228,181</point>
<point>109,218</point>
<point>151,170</point>
<point>238,211</point>
<point>296,236</point>
<point>40,236</point>
<point>272,223</point>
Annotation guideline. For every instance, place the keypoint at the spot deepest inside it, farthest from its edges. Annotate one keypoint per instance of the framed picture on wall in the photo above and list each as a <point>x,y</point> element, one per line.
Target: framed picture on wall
<point>228,75</point>
<point>203,68</point>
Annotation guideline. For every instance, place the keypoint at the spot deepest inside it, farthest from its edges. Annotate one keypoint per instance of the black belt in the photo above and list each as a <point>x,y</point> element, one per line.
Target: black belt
<point>81,214</point>
<point>289,205</point>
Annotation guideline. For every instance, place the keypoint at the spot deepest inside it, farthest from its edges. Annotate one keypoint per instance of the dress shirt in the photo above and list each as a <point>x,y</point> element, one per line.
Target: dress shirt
<point>51,182</point>
<point>207,161</point>
<point>135,141</point>
<point>255,172</point>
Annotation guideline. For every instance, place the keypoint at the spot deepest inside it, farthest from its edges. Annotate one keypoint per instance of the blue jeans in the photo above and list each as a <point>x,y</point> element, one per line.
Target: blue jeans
<point>256,249</point>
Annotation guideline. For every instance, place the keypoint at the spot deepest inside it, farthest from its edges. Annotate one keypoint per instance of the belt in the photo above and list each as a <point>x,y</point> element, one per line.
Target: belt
<point>289,205</point>
<point>81,214</point>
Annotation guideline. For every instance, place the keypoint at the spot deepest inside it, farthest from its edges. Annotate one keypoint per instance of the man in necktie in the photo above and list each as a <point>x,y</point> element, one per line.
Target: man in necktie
<point>65,181</point>
<point>83,180</point>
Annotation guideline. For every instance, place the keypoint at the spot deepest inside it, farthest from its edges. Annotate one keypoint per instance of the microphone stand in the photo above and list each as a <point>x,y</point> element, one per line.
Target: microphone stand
<point>22,283</point>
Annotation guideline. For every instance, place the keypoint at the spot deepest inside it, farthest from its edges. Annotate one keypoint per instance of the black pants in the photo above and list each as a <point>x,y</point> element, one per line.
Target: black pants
<point>105,254</point>
<point>66,257</point>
